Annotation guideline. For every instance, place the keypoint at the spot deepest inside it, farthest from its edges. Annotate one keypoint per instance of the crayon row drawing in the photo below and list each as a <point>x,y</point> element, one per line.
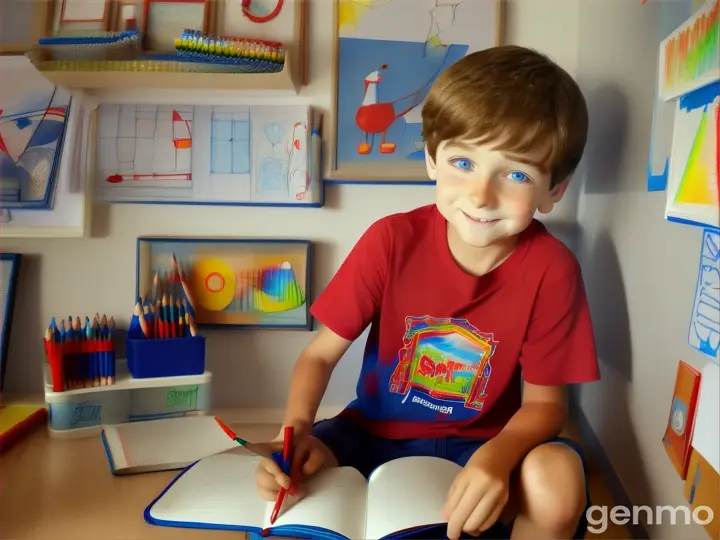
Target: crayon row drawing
<point>250,283</point>
<point>206,154</point>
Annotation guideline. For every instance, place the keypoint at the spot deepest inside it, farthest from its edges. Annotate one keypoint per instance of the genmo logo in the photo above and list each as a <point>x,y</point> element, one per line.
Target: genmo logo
<point>598,517</point>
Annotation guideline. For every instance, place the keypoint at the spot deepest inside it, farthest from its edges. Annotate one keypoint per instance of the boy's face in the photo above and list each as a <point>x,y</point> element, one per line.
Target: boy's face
<point>489,195</point>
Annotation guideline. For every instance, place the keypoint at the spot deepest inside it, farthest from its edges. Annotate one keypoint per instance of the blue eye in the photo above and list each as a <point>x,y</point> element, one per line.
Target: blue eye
<point>462,164</point>
<point>518,176</point>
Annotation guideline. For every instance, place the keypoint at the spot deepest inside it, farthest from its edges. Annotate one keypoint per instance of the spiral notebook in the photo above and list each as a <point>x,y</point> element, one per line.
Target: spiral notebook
<point>162,445</point>
<point>219,492</point>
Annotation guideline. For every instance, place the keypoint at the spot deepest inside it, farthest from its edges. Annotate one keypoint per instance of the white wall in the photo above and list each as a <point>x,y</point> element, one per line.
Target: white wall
<point>640,270</point>
<point>251,368</point>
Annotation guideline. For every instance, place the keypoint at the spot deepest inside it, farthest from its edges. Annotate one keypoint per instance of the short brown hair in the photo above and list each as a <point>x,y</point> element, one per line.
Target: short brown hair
<point>512,95</point>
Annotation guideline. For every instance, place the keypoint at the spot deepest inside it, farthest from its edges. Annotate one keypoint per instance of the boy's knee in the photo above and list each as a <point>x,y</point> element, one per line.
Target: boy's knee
<point>552,482</point>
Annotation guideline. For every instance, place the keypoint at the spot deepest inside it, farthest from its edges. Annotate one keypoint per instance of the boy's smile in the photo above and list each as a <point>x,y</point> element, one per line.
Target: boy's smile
<point>489,196</point>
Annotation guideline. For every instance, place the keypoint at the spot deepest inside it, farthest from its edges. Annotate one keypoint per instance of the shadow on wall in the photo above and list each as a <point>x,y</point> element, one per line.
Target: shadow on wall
<point>608,110</point>
<point>26,355</point>
<point>615,431</point>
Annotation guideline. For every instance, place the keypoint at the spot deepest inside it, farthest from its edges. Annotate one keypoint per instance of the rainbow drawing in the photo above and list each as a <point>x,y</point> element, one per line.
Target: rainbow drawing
<point>690,56</point>
<point>235,282</point>
<point>694,176</point>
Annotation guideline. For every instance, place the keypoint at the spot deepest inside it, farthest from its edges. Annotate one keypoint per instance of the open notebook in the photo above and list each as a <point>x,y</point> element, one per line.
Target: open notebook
<point>218,492</point>
<point>159,445</point>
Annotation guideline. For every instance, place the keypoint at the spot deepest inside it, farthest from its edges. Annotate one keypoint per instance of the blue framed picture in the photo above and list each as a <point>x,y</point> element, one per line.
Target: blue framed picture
<point>9,269</point>
<point>237,282</point>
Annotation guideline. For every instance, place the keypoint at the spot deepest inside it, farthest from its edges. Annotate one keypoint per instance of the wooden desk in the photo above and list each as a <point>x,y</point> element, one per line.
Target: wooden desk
<point>62,489</point>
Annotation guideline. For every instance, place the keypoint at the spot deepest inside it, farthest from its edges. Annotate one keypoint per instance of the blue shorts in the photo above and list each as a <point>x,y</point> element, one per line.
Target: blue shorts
<point>355,447</point>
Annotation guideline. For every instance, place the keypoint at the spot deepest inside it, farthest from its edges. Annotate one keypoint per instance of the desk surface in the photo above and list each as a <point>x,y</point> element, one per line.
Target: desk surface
<point>62,489</point>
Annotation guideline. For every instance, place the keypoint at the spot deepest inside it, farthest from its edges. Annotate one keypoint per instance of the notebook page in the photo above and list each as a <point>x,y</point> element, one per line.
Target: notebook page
<point>172,440</point>
<point>335,501</point>
<point>218,490</point>
<point>408,492</point>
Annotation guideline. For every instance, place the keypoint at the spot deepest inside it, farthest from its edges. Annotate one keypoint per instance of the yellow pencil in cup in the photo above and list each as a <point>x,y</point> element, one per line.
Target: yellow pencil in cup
<point>141,319</point>
<point>191,324</point>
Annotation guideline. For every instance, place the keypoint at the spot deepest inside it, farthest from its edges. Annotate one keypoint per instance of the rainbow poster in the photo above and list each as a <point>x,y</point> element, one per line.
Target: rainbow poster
<point>693,192</point>
<point>254,283</point>
<point>690,57</point>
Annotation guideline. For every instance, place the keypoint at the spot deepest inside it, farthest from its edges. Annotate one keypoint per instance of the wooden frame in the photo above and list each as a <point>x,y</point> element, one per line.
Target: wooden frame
<point>377,172</point>
<point>147,16</point>
<point>234,282</point>
<point>105,19</point>
<point>7,295</point>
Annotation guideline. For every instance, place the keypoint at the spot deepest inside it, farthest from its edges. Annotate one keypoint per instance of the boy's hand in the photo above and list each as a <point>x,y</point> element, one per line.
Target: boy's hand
<point>476,498</point>
<point>310,456</point>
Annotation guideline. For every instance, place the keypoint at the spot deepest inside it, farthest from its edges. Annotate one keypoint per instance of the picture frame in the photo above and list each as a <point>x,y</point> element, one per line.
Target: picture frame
<point>72,16</point>
<point>9,272</point>
<point>70,215</point>
<point>233,282</point>
<point>406,65</point>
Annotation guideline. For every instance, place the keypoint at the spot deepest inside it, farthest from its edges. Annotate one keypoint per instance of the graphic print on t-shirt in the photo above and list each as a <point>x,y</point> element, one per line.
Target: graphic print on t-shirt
<point>446,362</point>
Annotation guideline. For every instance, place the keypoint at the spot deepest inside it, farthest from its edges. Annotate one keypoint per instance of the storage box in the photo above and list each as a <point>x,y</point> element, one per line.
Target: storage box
<point>170,357</point>
<point>82,412</point>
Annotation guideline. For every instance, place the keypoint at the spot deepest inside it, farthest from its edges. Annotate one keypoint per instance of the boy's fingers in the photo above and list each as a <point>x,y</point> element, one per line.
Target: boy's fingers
<point>314,461</point>
<point>270,466</point>
<point>282,479</point>
<point>268,494</point>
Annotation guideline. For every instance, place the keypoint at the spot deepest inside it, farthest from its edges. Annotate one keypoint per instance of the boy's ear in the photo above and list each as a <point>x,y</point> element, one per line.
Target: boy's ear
<point>430,164</point>
<point>554,196</point>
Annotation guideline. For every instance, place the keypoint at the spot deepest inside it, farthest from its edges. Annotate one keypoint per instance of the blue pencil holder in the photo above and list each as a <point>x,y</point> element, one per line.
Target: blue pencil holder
<point>172,357</point>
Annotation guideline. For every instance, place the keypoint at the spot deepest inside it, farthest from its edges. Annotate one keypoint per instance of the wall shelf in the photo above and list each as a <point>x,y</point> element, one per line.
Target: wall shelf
<point>95,82</point>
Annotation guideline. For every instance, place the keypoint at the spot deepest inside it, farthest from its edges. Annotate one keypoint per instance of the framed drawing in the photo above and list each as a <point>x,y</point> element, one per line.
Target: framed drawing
<point>383,71</point>
<point>192,154</point>
<point>33,118</point>
<point>251,283</point>
<point>9,269</point>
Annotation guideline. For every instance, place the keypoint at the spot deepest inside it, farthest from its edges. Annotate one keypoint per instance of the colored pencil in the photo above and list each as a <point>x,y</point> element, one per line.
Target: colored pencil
<point>80,354</point>
<point>258,449</point>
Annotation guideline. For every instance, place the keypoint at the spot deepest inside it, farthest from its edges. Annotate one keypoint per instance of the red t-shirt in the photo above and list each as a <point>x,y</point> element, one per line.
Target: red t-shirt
<point>447,351</point>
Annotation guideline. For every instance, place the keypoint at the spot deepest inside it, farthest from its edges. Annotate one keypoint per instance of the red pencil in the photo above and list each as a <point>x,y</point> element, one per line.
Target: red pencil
<point>286,457</point>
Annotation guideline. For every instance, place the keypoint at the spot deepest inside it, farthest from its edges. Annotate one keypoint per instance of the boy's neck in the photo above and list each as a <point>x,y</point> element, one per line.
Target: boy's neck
<point>479,260</point>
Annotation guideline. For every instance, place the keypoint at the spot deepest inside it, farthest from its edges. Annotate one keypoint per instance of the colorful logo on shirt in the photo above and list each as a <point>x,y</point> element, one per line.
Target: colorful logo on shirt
<point>445,359</point>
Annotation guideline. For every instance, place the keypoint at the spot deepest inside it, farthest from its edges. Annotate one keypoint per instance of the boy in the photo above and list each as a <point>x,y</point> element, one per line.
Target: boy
<point>478,315</point>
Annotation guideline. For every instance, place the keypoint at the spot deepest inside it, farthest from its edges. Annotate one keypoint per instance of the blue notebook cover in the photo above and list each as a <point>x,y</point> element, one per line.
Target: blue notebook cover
<point>219,493</point>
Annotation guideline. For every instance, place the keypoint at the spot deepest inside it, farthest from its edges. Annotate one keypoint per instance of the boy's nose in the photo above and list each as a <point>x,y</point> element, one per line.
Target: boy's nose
<point>482,193</point>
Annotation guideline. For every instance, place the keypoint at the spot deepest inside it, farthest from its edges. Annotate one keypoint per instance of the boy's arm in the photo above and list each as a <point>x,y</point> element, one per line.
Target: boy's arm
<point>559,350</point>
<point>310,378</point>
<point>346,307</point>
<point>542,416</point>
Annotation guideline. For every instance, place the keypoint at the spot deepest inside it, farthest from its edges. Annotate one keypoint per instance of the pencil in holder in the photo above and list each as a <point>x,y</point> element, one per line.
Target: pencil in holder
<point>80,357</point>
<point>165,357</point>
